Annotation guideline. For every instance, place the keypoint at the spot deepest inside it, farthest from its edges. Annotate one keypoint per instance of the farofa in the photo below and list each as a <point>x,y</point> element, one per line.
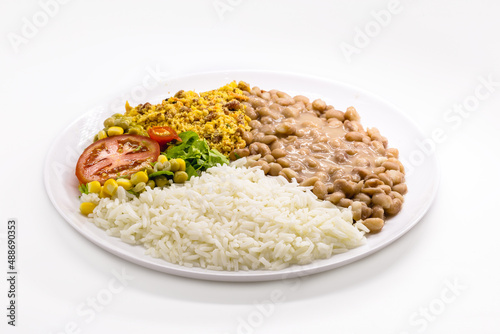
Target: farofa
<point>216,115</point>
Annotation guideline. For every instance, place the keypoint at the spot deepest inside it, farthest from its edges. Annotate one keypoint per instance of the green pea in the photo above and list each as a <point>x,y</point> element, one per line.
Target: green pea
<point>180,177</point>
<point>174,165</point>
<point>134,130</point>
<point>109,122</point>
<point>161,181</point>
<point>139,187</point>
<point>122,123</point>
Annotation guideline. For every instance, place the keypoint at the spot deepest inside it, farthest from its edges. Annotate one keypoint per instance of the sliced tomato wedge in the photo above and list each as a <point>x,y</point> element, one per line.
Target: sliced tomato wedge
<point>116,156</point>
<point>163,134</point>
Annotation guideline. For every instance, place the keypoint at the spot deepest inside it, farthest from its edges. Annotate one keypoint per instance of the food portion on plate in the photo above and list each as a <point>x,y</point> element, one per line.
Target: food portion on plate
<point>239,178</point>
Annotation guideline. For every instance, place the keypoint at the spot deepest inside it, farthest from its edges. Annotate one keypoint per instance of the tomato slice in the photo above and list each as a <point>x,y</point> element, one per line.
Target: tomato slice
<point>116,156</point>
<point>163,134</point>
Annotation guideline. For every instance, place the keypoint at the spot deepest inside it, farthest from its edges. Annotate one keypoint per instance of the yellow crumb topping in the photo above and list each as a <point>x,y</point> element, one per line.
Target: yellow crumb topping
<point>218,115</point>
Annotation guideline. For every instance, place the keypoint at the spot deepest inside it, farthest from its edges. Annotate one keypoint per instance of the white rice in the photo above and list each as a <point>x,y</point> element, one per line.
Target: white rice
<point>230,218</point>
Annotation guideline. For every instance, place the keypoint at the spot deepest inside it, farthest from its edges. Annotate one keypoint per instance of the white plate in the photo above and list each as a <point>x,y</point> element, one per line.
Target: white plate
<point>61,184</point>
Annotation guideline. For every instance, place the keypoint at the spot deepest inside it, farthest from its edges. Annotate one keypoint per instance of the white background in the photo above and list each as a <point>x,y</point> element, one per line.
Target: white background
<point>426,58</point>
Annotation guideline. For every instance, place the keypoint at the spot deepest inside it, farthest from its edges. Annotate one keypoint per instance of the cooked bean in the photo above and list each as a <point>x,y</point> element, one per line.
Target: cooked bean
<point>374,224</point>
<point>274,168</point>
<point>247,137</point>
<point>322,176</point>
<point>256,102</point>
<point>373,183</point>
<point>354,136</point>
<point>285,101</point>
<point>362,172</point>
<point>344,186</point>
<point>395,207</point>
<point>337,114</point>
<point>378,146</point>
<point>288,173</point>
<point>350,126</point>
<point>345,202</point>
<point>357,186</point>
<point>364,198</point>
<point>379,161</point>
<point>258,136</point>
<point>309,182</point>
<point>264,111</point>
<point>362,162</point>
<point>379,170</point>
<point>250,112</point>
<point>269,139</point>
<point>269,158</point>
<point>401,188</point>
<point>286,128</point>
<point>311,162</point>
<point>340,156</point>
<point>382,199</point>
<point>262,164</point>
<point>301,98</point>
<point>265,96</point>
<point>278,153</point>
<point>389,165</point>
<point>276,108</point>
<point>378,212</point>
<point>268,120</point>
<point>255,124</point>
<point>395,194</point>
<point>290,112</point>
<point>336,197</point>
<point>395,176</point>
<point>386,179</point>
<point>393,152</point>
<point>351,114</point>
<point>259,148</point>
<point>278,145</point>
<point>372,191</point>
<point>301,132</point>
<point>319,190</point>
<point>268,129</point>
<point>319,105</point>
<point>366,212</point>
<point>239,153</point>
<point>357,209</point>
<point>387,189</point>
<point>284,162</point>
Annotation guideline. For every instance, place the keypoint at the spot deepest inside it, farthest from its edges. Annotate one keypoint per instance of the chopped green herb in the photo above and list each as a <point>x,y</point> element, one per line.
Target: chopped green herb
<point>84,189</point>
<point>196,153</point>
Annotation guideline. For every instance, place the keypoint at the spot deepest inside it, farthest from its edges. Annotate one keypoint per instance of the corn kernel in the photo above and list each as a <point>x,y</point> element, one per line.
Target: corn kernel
<point>139,177</point>
<point>87,207</point>
<point>94,187</point>
<point>115,131</point>
<point>102,194</point>
<point>110,187</point>
<point>162,159</point>
<point>125,183</point>
<point>101,135</point>
<point>182,164</point>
